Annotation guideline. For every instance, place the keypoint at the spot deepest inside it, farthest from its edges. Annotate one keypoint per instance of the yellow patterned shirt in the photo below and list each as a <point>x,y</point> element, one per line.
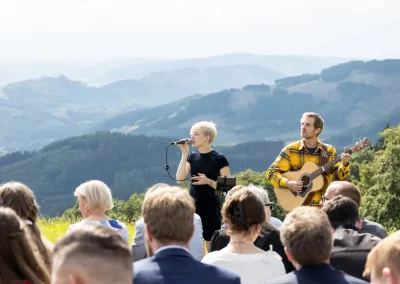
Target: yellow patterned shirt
<point>295,155</point>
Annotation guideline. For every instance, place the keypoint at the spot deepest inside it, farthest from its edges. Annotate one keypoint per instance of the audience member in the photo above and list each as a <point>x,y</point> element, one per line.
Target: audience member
<point>196,243</point>
<point>350,248</point>
<point>168,218</point>
<point>307,236</point>
<point>244,213</point>
<point>95,199</point>
<point>20,261</point>
<point>92,254</point>
<point>269,236</point>
<point>21,199</point>
<point>350,190</point>
<point>383,263</point>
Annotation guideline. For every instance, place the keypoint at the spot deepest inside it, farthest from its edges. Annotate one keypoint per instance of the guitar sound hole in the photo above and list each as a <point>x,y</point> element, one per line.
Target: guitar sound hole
<point>306,181</point>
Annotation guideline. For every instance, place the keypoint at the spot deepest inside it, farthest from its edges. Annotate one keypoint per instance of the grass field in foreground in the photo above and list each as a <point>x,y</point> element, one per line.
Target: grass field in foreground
<point>55,228</point>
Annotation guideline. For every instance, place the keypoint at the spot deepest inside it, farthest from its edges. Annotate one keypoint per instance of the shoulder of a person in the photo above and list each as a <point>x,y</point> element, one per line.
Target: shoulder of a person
<point>211,256</point>
<point>139,222</point>
<point>292,145</point>
<point>219,272</point>
<point>73,226</point>
<point>329,147</point>
<point>352,279</point>
<point>367,222</point>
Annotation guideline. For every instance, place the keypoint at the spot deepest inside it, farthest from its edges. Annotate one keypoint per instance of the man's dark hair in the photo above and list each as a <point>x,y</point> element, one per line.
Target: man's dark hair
<point>341,211</point>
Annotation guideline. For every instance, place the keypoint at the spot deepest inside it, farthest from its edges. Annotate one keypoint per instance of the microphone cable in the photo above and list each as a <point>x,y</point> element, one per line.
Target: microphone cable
<point>167,166</point>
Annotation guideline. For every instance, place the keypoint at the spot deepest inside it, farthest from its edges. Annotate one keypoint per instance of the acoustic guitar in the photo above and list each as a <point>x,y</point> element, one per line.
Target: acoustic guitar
<point>313,181</point>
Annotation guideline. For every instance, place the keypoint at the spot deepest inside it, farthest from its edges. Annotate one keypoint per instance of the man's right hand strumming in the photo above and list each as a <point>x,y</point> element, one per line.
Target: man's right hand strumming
<point>294,185</point>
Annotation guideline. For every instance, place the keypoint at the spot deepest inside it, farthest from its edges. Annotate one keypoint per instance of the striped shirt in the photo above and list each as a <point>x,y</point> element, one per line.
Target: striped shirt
<point>295,155</point>
<point>117,226</point>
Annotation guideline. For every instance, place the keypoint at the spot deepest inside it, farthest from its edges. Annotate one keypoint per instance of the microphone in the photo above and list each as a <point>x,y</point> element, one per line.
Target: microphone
<point>189,141</point>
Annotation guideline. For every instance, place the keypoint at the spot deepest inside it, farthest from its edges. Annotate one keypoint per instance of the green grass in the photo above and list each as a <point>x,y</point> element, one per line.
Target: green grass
<point>55,228</point>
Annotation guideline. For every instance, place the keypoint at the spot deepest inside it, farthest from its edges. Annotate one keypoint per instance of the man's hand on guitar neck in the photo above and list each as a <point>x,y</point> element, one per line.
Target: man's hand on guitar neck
<point>345,157</point>
<point>294,185</point>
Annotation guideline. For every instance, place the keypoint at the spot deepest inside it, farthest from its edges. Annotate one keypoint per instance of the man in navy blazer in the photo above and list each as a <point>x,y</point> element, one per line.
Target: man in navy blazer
<point>168,218</point>
<point>307,237</point>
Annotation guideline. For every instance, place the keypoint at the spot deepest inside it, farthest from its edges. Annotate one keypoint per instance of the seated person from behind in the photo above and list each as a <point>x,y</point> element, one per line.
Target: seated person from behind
<point>244,214</point>
<point>168,218</point>
<point>350,190</point>
<point>269,234</point>
<point>139,247</point>
<point>95,199</point>
<point>350,248</point>
<point>383,263</point>
<point>307,236</point>
<point>92,254</point>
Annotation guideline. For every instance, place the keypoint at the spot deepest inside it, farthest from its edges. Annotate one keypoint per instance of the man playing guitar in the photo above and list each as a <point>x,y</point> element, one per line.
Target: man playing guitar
<point>310,148</point>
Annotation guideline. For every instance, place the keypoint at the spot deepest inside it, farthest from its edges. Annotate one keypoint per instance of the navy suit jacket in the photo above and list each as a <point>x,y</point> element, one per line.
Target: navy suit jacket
<point>176,265</point>
<point>317,274</point>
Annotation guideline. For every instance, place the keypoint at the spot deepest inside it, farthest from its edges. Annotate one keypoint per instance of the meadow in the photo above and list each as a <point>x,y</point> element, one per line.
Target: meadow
<point>55,228</point>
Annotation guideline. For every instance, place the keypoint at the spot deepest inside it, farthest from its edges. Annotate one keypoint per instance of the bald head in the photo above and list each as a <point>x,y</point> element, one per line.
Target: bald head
<point>344,188</point>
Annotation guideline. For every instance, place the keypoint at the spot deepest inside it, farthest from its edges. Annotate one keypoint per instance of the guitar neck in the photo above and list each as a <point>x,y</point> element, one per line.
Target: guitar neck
<point>326,167</point>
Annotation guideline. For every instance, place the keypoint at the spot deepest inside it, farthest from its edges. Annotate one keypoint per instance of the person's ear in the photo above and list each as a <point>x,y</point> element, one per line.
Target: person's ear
<point>148,234</point>
<point>359,224</point>
<point>317,131</point>
<point>288,254</point>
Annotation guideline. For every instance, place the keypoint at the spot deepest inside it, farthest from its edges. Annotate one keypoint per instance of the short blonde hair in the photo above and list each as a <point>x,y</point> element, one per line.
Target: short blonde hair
<point>97,194</point>
<point>169,215</point>
<point>209,128</point>
<point>385,254</point>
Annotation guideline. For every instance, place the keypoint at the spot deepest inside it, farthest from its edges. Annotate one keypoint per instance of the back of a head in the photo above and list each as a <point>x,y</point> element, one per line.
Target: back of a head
<point>21,199</point>
<point>347,189</point>
<point>97,194</point>
<point>384,257</point>
<point>156,186</point>
<point>341,211</point>
<point>92,254</point>
<point>168,215</point>
<point>243,210</point>
<point>307,234</point>
<point>18,257</point>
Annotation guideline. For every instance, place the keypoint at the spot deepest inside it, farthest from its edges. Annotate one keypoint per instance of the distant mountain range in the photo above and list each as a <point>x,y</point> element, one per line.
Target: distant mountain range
<point>355,99</point>
<point>37,112</point>
<point>284,64</point>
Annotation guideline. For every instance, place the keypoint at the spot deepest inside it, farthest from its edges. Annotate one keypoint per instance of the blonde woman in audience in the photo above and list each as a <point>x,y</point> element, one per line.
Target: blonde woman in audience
<point>21,199</point>
<point>244,214</point>
<point>383,262</point>
<point>92,254</point>
<point>20,262</point>
<point>95,199</point>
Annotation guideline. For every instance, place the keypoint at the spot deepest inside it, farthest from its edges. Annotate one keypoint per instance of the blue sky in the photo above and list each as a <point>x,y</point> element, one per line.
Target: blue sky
<point>186,28</point>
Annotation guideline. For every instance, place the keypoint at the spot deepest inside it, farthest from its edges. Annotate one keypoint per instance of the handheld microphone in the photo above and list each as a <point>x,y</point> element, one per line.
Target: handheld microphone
<point>188,141</point>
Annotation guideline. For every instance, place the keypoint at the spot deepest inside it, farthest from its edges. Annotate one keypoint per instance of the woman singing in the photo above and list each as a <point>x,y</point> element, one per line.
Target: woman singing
<point>204,166</point>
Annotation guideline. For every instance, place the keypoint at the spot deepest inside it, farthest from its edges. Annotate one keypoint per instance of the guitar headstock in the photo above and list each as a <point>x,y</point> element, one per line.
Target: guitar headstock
<point>364,143</point>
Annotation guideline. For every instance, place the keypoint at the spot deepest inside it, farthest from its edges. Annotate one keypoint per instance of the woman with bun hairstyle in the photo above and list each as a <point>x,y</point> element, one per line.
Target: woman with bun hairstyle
<point>204,166</point>
<point>244,215</point>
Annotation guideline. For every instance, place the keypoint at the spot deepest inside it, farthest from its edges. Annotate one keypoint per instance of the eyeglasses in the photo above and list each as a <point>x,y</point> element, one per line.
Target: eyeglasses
<point>324,198</point>
<point>270,205</point>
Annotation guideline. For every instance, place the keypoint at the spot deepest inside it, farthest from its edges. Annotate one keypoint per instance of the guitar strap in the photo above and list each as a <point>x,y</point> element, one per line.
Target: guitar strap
<point>323,160</point>
<point>324,155</point>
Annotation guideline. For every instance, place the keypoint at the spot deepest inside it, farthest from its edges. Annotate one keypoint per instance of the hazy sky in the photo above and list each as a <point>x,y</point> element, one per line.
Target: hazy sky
<point>186,28</point>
